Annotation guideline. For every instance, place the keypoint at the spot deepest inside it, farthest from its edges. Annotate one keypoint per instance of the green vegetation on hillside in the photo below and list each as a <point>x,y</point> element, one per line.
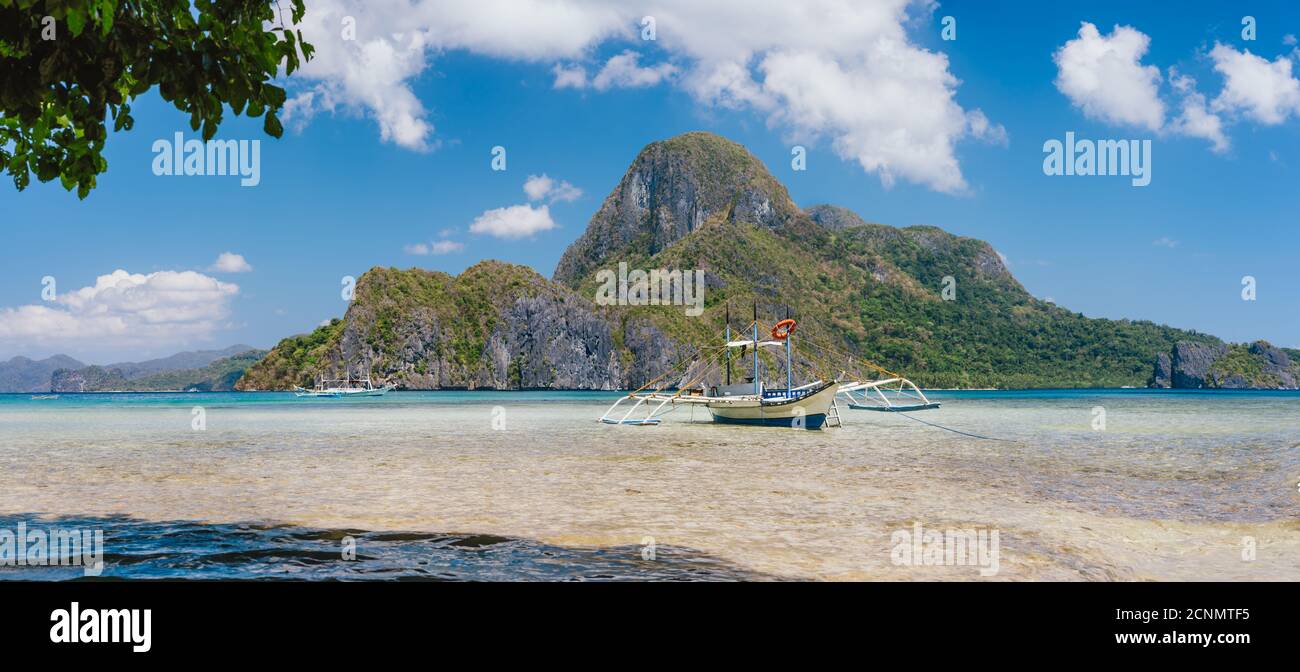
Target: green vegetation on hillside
<point>292,359</point>
<point>875,291</point>
<point>391,305</point>
<point>698,201</point>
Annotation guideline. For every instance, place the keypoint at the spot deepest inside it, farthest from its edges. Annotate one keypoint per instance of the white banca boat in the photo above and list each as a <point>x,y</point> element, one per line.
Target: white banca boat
<point>343,387</point>
<point>808,406</point>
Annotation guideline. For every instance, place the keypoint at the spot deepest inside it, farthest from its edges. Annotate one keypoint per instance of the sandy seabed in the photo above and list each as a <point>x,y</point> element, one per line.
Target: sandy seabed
<point>1175,488</point>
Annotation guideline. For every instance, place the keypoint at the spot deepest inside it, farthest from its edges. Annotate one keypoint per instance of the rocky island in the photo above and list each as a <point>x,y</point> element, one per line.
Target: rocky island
<point>700,201</point>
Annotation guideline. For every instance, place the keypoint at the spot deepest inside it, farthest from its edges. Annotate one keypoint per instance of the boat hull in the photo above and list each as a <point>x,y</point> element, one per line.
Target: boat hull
<point>814,421</point>
<point>809,411</point>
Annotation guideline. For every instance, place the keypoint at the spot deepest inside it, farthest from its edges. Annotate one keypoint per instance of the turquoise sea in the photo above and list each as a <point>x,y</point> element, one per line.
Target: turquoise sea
<point>1080,484</point>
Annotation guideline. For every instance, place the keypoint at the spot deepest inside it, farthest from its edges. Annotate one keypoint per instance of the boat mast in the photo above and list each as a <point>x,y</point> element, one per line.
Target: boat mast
<point>757,391</point>
<point>728,348</point>
<point>789,373</point>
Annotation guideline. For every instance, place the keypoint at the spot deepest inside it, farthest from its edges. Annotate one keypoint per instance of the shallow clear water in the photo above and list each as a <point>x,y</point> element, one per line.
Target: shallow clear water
<point>1176,486</point>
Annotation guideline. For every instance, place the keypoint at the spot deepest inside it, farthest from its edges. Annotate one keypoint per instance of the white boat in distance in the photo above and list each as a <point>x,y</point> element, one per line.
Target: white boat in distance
<point>343,387</point>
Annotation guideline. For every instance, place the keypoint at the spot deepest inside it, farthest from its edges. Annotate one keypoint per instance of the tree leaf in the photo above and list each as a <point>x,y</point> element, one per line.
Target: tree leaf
<point>56,99</point>
<point>76,19</point>
<point>272,125</point>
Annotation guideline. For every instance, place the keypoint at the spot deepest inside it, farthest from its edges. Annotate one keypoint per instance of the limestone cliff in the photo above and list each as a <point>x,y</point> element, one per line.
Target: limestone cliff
<point>943,308</point>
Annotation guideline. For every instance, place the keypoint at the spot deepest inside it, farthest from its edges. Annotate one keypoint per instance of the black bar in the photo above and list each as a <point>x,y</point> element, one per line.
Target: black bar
<point>942,623</point>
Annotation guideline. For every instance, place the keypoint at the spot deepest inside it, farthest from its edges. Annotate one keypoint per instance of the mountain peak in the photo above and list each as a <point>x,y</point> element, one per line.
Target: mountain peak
<point>672,188</point>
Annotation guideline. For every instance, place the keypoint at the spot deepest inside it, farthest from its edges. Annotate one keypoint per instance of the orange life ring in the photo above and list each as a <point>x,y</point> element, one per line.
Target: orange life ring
<point>781,334</point>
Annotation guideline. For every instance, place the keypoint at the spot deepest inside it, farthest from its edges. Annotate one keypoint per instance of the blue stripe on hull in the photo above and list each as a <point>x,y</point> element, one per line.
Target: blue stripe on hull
<point>809,421</point>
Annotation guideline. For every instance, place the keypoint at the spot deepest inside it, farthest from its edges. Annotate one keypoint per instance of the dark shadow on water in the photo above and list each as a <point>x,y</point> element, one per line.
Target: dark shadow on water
<point>137,549</point>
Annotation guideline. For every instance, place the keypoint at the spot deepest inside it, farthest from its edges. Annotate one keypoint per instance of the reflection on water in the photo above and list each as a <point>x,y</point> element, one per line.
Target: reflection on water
<point>1172,488</point>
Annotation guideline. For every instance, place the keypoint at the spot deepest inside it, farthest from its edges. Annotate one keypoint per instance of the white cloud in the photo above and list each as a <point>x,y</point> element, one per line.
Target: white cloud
<point>625,71</point>
<point>728,85</point>
<point>893,113</point>
<point>1165,241</point>
<point>570,77</point>
<point>982,128</point>
<point>372,73</point>
<point>878,98</point>
<point>229,262</point>
<point>1195,120</point>
<point>1105,78</point>
<point>539,187</point>
<point>437,247</point>
<point>1261,90</point>
<point>123,310</point>
<point>445,247</point>
<point>516,221</point>
<point>300,109</point>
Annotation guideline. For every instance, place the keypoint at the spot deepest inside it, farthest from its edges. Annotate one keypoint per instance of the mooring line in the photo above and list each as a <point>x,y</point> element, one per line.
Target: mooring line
<point>958,431</point>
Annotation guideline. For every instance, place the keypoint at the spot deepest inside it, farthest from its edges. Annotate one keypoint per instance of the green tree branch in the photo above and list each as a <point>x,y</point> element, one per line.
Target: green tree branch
<point>69,67</point>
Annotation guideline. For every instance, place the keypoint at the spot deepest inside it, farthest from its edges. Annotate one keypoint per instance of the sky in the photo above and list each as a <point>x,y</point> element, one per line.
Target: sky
<point>387,158</point>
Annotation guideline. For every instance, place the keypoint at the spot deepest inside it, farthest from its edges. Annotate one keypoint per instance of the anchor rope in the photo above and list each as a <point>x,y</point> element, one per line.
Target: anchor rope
<point>958,431</point>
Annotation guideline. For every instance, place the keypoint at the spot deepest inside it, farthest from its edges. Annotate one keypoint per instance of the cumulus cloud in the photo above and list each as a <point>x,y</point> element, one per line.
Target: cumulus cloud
<point>874,95</point>
<point>124,310</point>
<point>1194,119</point>
<point>229,262</point>
<point>570,76</point>
<point>625,71</point>
<point>539,187</point>
<point>1104,77</point>
<point>1165,241</point>
<point>437,247</point>
<point>1264,91</point>
<point>516,221</point>
<point>982,128</point>
<point>371,73</point>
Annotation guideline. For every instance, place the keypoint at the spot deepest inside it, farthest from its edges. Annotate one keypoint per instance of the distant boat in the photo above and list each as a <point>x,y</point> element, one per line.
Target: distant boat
<point>343,387</point>
<point>44,396</point>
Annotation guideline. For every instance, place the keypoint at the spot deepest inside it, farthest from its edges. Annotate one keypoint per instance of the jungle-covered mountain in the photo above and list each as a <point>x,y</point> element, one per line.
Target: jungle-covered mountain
<point>860,291</point>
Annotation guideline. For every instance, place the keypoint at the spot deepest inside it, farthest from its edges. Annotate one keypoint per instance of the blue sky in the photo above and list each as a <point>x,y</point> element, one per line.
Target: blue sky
<point>336,198</point>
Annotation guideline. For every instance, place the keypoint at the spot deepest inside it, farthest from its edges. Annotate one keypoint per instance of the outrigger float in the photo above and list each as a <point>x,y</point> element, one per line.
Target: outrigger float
<point>810,406</point>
